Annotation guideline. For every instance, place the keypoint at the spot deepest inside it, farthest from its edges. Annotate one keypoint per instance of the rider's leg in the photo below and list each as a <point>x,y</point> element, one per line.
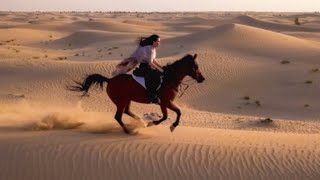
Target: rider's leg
<point>151,85</point>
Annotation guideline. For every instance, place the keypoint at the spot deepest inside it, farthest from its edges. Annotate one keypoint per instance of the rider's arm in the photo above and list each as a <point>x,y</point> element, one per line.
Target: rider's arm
<point>152,61</point>
<point>156,63</point>
<point>155,66</point>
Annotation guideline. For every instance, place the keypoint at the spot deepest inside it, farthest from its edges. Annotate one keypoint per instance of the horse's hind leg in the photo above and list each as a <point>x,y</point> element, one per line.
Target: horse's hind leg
<point>118,117</point>
<point>131,114</point>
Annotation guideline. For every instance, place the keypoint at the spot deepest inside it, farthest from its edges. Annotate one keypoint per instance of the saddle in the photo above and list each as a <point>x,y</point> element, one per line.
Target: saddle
<point>154,76</point>
<point>142,82</point>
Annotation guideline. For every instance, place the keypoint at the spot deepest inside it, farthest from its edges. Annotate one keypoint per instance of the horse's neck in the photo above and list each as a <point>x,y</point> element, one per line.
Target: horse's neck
<point>176,79</point>
<point>179,79</point>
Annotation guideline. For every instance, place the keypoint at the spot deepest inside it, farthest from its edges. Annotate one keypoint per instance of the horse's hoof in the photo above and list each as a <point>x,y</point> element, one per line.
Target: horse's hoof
<point>172,128</point>
<point>131,132</point>
<point>125,130</point>
<point>150,124</point>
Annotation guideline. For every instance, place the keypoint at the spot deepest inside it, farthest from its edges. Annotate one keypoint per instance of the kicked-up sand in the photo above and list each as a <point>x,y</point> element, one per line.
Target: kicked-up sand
<point>256,116</point>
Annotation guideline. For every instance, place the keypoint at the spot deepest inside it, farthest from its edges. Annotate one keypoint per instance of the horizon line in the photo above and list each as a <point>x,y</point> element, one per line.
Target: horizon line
<point>169,11</point>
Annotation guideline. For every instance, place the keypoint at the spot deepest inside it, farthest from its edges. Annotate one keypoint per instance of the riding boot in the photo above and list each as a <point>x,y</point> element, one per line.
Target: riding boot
<point>152,93</point>
<point>151,89</point>
<point>152,81</point>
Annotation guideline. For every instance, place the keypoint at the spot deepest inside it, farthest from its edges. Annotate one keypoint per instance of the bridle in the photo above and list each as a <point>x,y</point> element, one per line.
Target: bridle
<point>183,86</point>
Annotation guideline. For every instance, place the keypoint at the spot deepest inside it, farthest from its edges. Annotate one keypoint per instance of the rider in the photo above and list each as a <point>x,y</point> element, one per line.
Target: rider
<point>149,68</point>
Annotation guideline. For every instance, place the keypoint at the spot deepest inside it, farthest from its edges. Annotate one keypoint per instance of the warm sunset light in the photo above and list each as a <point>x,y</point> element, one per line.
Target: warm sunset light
<point>161,5</point>
<point>159,90</point>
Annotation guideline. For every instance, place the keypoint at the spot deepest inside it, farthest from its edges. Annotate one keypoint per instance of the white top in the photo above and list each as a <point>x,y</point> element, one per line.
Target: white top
<point>145,54</point>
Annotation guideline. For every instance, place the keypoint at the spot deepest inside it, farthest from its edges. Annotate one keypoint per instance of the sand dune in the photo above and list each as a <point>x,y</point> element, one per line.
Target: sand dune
<point>256,66</point>
<point>247,20</point>
<point>248,39</point>
<point>253,57</point>
<point>66,25</point>
<point>156,154</point>
<point>141,23</point>
<point>87,37</point>
<point>304,35</point>
<point>110,26</point>
<point>26,36</point>
<point>192,20</point>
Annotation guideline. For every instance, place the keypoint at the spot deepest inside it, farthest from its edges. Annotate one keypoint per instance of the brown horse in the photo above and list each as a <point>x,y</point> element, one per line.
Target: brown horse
<point>123,89</point>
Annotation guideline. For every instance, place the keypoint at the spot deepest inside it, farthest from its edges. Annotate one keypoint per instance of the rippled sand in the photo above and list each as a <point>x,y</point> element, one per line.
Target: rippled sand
<point>257,66</point>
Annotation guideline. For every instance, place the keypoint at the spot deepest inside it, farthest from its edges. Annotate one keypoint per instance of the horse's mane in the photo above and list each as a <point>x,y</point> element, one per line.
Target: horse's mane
<point>170,69</point>
<point>176,63</point>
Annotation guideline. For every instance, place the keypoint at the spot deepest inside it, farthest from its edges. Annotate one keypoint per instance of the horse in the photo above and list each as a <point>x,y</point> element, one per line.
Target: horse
<point>118,89</point>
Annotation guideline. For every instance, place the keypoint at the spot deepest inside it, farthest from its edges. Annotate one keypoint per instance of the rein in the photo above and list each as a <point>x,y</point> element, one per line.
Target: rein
<point>182,87</point>
<point>186,86</point>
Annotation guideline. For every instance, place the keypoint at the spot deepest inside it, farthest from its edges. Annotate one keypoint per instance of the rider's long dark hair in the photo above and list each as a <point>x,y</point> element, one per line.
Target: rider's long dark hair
<point>145,41</point>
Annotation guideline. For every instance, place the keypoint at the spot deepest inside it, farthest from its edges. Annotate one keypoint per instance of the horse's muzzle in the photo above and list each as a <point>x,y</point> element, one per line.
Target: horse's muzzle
<point>200,79</point>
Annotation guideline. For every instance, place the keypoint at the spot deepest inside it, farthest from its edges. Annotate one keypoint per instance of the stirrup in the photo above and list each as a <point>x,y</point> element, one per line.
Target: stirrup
<point>154,100</point>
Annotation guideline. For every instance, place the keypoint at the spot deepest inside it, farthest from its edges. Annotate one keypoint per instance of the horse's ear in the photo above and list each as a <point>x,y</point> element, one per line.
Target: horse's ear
<point>195,56</point>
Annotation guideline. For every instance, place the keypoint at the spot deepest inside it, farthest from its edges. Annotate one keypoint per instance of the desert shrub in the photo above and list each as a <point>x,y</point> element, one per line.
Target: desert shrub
<point>62,58</point>
<point>285,62</point>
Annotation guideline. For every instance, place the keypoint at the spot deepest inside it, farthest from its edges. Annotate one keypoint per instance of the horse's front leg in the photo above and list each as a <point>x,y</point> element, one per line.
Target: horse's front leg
<point>164,115</point>
<point>178,112</point>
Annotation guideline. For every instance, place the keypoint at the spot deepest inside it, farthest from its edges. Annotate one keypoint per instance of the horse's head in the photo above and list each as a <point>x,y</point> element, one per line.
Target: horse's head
<point>193,68</point>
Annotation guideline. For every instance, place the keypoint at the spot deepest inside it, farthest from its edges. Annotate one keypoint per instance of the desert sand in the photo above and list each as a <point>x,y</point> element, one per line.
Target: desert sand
<point>257,66</point>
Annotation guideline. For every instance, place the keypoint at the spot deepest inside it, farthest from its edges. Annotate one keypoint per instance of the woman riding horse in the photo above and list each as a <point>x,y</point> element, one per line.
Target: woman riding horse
<point>149,68</point>
<point>117,89</point>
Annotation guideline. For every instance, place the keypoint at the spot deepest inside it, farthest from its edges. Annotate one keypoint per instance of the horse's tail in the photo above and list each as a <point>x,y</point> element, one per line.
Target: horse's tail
<point>92,79</point>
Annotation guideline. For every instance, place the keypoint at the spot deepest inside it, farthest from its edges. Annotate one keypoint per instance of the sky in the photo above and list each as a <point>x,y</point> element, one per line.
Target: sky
<point>161,5</point>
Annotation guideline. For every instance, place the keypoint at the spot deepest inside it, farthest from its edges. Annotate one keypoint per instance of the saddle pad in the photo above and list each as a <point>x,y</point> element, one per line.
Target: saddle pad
<point>141,81</point>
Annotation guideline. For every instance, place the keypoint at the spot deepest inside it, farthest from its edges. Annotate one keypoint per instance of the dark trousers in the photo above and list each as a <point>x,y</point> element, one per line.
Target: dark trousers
<point>152,80</point>
<point>151,76</point>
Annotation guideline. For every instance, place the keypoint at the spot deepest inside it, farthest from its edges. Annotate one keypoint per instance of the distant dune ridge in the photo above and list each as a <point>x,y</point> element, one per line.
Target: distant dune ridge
<point>86,37</point>
<point>248,20</point>
<point>255,117</point>
<point>247,38</point>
